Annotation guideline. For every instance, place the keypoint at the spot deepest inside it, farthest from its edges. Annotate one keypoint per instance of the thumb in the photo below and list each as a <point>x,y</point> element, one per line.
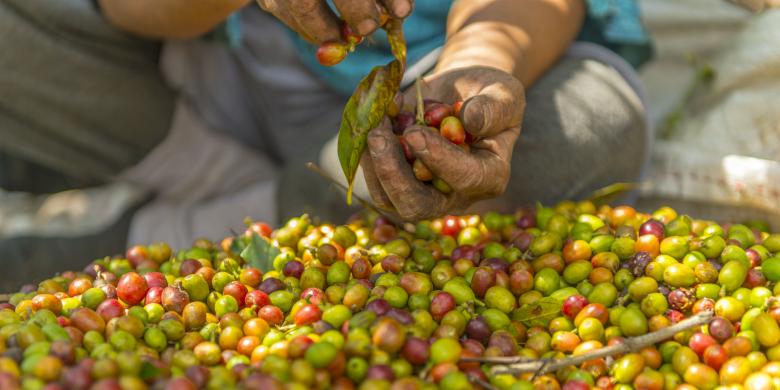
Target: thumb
<point>496,108</point>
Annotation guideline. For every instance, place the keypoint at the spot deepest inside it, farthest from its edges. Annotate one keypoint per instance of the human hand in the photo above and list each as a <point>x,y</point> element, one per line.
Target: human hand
<point>315,22</point>
<point>494,102</point>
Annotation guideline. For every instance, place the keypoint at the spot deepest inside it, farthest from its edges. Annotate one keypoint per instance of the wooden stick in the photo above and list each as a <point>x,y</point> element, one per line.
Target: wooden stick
<point>475,380</point>
<point>499,359</point>
<point>542,366</point>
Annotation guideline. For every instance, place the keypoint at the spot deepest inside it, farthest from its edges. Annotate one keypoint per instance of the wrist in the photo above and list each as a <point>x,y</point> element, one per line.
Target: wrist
<point>481,45</point>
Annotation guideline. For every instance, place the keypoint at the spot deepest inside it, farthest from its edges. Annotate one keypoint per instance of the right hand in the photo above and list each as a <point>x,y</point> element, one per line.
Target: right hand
<point>316,23</point>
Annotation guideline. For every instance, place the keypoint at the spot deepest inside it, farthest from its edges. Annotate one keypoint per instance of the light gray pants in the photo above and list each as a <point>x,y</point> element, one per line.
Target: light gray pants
<point>87,101</point>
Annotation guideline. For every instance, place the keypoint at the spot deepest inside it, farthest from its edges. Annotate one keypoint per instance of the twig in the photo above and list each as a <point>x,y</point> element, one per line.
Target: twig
<point>630,344</point>
<point>475,380</point>
<point>499,359</point>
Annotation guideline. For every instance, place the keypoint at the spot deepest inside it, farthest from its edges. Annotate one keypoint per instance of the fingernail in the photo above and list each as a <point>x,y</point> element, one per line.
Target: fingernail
<point>416,140</point>
<point>401,8</point>
<point>378,145</point>
<point>366,27</point>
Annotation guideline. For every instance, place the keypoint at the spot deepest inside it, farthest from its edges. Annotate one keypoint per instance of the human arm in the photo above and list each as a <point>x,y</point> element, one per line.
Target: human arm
<point>520,37</point>
<point>164,19</point>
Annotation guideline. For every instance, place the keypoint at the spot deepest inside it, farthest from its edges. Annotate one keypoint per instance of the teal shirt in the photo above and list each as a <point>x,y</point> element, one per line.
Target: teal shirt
<point>614,24</point>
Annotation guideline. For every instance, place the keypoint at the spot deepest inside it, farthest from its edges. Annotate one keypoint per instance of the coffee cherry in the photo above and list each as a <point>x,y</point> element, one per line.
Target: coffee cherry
<point>131,288</point>
<point>407,151</point>
<point>402,121</point>
<point>435,114</point>
<point>421,172</point>
<point>452,129</point>
<point>373,303</point>
<point>348,35</point>
<point>331,53</point>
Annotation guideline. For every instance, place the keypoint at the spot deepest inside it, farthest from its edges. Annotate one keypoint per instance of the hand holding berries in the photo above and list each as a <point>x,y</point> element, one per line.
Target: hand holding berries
<point>337,35</point>
<point>464,148</point>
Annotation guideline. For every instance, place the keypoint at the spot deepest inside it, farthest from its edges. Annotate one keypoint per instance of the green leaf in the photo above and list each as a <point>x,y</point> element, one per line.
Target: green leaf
<point>363,112</point>
<point>239,244</point>
<point>539,313</point>
<point>260,253</point>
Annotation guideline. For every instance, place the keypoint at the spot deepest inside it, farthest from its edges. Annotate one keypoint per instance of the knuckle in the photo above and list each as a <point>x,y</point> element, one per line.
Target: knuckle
<point>415,210</point>
<point>267,5</point>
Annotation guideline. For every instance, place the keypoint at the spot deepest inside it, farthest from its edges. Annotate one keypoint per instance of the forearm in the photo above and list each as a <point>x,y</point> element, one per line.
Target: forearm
<point>169,18</point>
<point>521,37</point>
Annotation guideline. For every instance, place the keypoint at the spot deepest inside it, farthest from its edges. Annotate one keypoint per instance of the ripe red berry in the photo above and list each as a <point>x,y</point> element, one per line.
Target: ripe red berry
<point>402,121</point>
<point>436,112</point>
<point>331,53</point>
<point>154,295</point>
<point>451,226</point>
<point>654,227</point>
<point>136,254</point>
<point>110,308</point>
<point>261,228</point>
<point>416,351</point>
<point>189,267</point>
<point>155,279</point>
<point>699,342</point>
<point>573,304</point>
<point>131,288</point>
<point>237,290</point>
<point>441,304</point>
<point>256,298</point>
<point>308,314</point>
<point>271,314</point>
<point>351,37</point>
<point>714,356</point>
<point>407,151</point>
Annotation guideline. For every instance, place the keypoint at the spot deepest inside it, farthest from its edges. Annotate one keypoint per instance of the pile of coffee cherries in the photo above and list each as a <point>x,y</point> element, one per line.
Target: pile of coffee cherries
<point>372,305</point>
<point>439,117</point>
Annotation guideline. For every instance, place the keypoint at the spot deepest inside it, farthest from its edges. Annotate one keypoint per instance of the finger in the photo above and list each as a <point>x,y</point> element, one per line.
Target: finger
<point>399,8</point>
<point>484,172</point>
<point>412,199</point>
<point>378,194</point>
<point>497,107</point>
<point>361,15</point>
<point>315,19</point>
<point>282,12</point>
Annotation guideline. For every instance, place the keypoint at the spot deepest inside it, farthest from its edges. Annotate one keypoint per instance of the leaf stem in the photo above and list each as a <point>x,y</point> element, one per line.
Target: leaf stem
<point>420,103</point>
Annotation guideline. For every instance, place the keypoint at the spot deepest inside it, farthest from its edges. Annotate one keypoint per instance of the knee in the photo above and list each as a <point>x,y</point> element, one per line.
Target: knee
<point>585,128</point>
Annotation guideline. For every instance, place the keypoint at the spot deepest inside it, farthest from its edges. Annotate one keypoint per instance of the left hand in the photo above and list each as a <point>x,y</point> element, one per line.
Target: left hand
<point>494,102</point>
<point>317,23</point>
